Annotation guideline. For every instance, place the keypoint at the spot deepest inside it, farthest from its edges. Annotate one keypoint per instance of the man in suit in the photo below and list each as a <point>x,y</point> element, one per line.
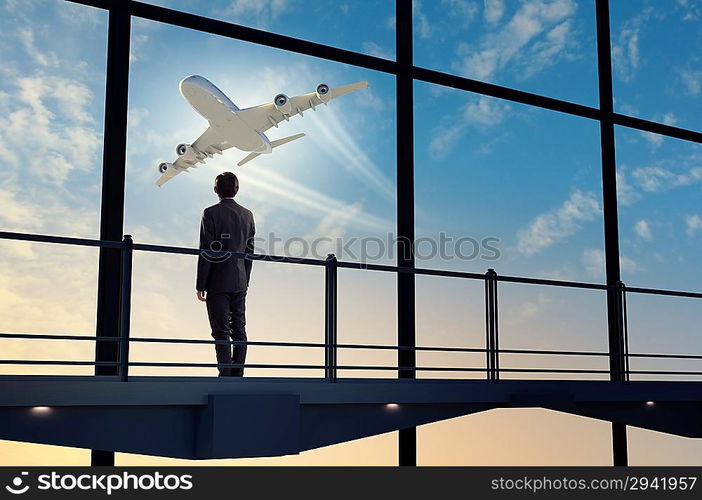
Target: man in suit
<point>222,281</point>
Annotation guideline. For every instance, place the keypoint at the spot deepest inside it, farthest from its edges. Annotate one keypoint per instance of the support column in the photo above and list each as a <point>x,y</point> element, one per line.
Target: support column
<point>112,201</point>
<point>405,213</point>
<point>611,222</point>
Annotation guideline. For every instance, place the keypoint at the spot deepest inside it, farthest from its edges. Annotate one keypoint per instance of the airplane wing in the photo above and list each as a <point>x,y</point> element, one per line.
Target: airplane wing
<point>265,116</point>
<point>206,146</point>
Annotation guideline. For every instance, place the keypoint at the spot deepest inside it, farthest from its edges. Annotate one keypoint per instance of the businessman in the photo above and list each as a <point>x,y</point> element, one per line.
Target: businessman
<point>222,281</point>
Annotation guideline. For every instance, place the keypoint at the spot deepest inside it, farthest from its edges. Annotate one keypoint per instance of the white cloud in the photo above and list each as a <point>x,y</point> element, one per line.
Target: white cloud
<point>138,42</point>
<point>628,265</point>
<point>694,224</point>
<point>643,229</point>
<point>373,49</point>
<point>445,140</point>
<point>691,9</point>
<point>259,13</point>
<point>594,261</point>
<point>557,225</point>
<point>44,58</point>
<point>626,193</point>
<point>546,50</point>
<point>462,10</point>
<point>480,113</point>
<point>657,178</point>
<point>54,127</point>
<point>421,22</point>
<point>486,111</point>
<point>493,10</point>
<point>692,80</point>
<point>626,54</point>
<point>538,21</point>
<point>529,310</point>
<point>667,119</point>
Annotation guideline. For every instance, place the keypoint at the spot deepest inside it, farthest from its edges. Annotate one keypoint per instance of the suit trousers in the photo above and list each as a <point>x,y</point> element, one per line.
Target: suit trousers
<point>227,314</point>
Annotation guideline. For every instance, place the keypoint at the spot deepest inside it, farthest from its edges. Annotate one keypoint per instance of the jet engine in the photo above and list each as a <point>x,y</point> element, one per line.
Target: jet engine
<point>324,92</point>
<point>282,104</point>
<point>163,167</point>
<point>187,153</point>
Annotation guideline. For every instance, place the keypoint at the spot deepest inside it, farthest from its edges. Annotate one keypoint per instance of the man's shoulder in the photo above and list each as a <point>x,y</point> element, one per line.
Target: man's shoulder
<point>246,211</point>
<point>211,208</point>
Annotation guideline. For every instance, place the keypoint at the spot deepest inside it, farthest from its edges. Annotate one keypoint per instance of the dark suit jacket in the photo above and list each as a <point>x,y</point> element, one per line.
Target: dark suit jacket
<point>226,226</point>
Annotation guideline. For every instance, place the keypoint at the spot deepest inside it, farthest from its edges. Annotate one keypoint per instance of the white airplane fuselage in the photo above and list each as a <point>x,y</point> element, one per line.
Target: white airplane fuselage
<point>221,112</point>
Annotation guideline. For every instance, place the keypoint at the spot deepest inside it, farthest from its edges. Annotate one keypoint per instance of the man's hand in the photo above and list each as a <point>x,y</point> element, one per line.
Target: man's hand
<point>200,295</point>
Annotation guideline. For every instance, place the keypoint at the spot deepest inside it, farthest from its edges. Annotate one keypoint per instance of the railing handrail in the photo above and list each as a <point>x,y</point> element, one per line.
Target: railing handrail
<point>147,247</point>
<point>320,345</point>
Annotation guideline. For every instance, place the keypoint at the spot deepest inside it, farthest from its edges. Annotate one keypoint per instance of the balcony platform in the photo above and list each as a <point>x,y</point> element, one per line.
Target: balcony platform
<point>203,417</point>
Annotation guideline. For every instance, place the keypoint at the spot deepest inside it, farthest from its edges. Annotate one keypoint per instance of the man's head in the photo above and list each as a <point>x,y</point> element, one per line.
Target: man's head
<point>226,185</point>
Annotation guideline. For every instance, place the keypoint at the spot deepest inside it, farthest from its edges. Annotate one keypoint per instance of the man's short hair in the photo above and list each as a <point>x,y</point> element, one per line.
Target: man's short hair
<point>227,185</point>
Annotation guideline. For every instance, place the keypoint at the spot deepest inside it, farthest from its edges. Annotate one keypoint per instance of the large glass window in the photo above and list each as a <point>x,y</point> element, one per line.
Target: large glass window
<point>660,218</point>
<point>506,186</point>
<point>52,91</point>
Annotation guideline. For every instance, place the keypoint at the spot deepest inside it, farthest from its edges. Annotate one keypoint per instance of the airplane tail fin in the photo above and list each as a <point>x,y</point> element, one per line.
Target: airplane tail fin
<point>274,144</point>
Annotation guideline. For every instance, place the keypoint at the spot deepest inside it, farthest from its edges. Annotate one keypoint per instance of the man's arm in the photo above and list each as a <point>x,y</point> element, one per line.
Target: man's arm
<point>250,249</point>
<point>203,263</point>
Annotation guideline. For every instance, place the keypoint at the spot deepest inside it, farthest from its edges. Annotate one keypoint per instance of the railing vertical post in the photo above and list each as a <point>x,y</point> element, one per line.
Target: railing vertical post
<point>491,332</point>
<point>125,307</point>
<point>623,315</point>
<point>488,328</point>
<point>330,320</point>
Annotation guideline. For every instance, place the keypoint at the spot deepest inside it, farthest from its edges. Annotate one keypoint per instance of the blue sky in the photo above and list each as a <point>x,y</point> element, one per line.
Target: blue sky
<point>484,167</point>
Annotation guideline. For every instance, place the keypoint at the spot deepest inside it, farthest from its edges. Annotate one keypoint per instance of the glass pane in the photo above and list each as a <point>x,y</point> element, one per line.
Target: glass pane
<point>336,183</point>
<point>546,47</point>
<point>552,319</point>
<point>361,26</point>
<point>451,313</point>
<point>285,303</point>
<point>660,219</point>
<point>332,191</point>
<point>656,62</point>
<point>47,289</point>
<point>506,186</point>
<point>664,325</point>
<point>367,314</point>
<point>52,90</point>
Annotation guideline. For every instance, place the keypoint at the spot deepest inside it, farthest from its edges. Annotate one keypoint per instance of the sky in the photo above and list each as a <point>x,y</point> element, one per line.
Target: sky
<point>484,168</point>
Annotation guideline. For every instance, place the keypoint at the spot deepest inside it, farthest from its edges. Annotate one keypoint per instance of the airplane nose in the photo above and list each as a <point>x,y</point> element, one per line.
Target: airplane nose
<point>190,85</point>
<point>189,81</point>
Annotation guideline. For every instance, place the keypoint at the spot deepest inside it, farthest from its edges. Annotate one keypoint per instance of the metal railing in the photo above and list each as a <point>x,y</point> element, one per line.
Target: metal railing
<point>331,346</point>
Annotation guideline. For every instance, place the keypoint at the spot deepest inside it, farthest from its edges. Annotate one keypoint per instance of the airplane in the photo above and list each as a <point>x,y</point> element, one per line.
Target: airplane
<point>243,129</point>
